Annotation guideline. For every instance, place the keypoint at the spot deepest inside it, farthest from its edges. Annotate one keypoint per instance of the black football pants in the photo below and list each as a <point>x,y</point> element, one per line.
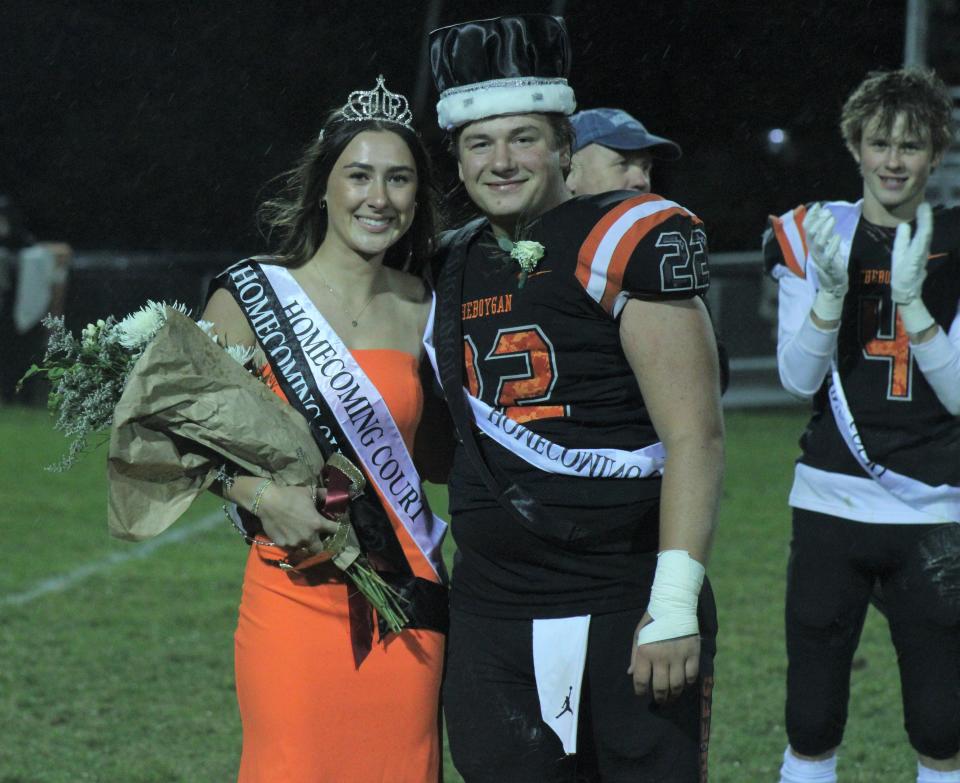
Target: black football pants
<point>835,565</point>
<point>493,717</point>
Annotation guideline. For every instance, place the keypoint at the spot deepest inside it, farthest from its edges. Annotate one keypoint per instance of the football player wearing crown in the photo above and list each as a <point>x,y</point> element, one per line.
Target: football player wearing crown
<point>869,327</point>
<point>580,367</point>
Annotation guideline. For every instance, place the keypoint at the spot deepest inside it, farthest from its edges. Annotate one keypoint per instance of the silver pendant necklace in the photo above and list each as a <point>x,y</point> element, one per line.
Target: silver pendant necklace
<point>354,320</point>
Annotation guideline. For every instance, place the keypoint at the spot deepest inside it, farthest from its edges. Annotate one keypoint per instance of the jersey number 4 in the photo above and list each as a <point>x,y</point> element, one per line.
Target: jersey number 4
<point>889,344</point>
<point>523,348</point>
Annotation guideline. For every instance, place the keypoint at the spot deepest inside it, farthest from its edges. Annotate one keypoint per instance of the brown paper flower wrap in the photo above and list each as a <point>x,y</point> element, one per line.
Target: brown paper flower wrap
<point>188,408</point>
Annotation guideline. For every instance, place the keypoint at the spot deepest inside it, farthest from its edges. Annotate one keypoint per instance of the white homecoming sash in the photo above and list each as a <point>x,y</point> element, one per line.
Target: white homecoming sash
<point>911,491</point>
<point>362,414</point>
<point>546,455</point>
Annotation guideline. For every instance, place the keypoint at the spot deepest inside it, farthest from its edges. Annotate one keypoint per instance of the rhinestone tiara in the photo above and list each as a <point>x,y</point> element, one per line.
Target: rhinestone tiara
<point>378,104</point>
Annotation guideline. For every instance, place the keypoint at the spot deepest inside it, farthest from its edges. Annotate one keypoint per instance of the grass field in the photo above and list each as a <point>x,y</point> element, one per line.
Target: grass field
<point>116,658</point>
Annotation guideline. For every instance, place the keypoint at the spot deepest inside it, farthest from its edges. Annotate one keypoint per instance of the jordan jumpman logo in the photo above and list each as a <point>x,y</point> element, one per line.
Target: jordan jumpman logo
<point>566,704</point>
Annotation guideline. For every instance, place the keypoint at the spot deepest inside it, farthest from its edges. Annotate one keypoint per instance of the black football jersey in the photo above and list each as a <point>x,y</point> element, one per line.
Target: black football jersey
<point>548,354</point>
<point>903,425</point>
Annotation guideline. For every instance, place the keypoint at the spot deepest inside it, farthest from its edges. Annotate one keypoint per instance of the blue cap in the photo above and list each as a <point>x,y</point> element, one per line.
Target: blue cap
<point>616,129</point>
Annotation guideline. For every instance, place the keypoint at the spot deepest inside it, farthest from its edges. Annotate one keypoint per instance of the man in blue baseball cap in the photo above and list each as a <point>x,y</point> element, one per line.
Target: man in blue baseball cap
<point>614,151</point>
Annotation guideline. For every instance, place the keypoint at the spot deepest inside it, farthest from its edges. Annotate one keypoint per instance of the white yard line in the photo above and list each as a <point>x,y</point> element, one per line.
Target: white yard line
<point>56,584</point>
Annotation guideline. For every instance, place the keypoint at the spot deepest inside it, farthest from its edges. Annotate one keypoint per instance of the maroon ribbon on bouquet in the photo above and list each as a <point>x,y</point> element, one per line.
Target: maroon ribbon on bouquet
<point>335,504</point>
<point>338,486</point>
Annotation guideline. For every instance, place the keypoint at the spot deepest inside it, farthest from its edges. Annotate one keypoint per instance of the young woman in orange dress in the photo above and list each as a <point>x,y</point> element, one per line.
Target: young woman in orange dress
<point>326,692</point>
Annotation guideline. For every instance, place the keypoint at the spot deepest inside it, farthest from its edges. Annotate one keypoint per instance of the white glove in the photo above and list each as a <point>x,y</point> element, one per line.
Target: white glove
<point>824,245</point>
<point>908,270</point>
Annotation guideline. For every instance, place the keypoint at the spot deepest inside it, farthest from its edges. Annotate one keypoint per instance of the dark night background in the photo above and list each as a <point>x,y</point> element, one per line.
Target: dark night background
<point>155,125</point>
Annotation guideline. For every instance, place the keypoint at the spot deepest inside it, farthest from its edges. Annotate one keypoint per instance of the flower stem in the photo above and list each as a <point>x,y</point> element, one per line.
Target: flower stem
<point>387,601</point>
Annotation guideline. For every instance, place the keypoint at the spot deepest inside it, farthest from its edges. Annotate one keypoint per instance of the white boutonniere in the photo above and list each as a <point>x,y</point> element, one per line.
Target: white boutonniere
<point>525,252</point>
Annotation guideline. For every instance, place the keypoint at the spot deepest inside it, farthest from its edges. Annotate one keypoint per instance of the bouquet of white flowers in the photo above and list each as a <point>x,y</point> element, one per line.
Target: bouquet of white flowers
<point>88,374</point>
<point>180,406</point>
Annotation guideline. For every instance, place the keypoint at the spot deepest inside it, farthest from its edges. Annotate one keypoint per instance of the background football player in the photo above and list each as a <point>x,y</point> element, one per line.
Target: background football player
<point>869,327</point>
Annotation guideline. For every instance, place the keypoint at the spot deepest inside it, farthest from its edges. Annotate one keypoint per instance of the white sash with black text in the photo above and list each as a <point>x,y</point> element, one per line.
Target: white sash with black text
<point>546,455</point>
<point>944,499</point>
<point>362,414</point>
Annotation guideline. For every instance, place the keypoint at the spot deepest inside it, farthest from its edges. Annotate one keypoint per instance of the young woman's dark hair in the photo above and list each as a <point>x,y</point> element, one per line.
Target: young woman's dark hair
<point>300,223</point>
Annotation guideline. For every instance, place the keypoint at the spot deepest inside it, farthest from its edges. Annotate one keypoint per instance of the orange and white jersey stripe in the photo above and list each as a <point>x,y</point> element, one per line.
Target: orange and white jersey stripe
<point>788,230</point>
<point>605,254</point>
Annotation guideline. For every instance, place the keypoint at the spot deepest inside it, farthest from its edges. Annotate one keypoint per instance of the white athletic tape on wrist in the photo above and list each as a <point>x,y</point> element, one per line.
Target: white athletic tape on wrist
<point>828,306</point>
<point>915,316</point>
<point>673,598</point>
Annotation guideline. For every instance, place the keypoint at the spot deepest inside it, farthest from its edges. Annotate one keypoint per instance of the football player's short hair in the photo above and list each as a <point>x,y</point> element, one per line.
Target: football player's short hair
<point>563,132</point>
<point>918,93</point>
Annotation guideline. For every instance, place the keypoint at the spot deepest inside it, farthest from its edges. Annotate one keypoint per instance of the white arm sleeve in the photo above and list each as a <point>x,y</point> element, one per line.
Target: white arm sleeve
<point>803,349</point>
<point>939,361</point>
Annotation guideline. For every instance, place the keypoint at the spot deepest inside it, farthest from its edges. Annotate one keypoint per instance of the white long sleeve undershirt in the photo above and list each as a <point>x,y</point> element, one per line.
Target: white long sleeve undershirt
<point>804,359</point>
<point>939,361</point>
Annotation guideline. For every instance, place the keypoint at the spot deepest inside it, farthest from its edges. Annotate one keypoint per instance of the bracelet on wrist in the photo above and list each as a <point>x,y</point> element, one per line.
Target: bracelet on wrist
<point>258,495</point>
<point>226,478</point>
<point>234,519</point>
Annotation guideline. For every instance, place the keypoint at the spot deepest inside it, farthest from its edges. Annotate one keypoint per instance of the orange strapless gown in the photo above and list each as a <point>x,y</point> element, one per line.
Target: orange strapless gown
<point>309,715</point>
